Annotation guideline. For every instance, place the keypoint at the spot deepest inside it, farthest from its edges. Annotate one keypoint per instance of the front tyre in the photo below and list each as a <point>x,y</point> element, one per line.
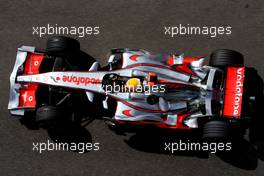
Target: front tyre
<point>61,46</point>
<point>49,116</point>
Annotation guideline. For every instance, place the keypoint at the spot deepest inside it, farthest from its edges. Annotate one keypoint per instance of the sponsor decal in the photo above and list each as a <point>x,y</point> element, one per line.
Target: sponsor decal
<point>234,91</point>
<point>238,95</point>
<point>78,80</point>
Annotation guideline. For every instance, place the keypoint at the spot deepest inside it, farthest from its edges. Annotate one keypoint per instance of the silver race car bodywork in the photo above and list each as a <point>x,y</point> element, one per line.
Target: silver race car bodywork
<point>185,88</point>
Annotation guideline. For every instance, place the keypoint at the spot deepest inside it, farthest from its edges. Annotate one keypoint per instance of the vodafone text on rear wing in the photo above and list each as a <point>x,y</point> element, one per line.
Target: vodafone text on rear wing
<point>234,92</point>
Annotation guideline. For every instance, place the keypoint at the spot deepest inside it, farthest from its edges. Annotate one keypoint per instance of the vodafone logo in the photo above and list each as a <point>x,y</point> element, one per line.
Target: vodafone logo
<point>234,92</point>
<point>239,91</point>
<point>78,80</point>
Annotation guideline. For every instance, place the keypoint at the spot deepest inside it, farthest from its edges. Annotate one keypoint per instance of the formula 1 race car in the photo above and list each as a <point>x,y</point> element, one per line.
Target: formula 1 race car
<point>135,87</point>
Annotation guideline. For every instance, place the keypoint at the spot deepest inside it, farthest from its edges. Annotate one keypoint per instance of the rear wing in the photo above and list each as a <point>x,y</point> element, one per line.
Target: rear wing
<point>21,96</point>
<point>234,92</point>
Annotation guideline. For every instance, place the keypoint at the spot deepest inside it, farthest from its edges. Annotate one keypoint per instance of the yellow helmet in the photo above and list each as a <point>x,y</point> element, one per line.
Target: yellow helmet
<point>132,83</point>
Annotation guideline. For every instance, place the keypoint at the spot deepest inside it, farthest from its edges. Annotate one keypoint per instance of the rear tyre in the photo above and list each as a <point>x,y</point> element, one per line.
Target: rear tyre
<point>225,57</point>
<point>50,116</point>
<point>215,129</point>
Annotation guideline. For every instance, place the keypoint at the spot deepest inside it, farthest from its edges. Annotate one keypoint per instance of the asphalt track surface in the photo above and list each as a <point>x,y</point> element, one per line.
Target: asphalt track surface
<point>134,24</point>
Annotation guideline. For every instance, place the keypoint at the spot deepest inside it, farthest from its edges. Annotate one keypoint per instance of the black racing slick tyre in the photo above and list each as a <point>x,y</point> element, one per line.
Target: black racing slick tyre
<point>225,57</point>
<point>61,45</point>
<point>67,48</point>
<point>49,116</point>
<point>215,129</point>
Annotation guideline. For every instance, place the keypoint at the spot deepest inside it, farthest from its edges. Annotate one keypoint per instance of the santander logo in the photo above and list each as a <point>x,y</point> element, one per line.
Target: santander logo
<point>80,80</point>
<point>239,92</point>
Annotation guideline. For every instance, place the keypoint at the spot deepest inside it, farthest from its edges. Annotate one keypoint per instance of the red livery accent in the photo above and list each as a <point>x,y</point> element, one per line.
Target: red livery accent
<point>179,125</point>
<point>184,68</point>
<point>80,80</point>
<point>127,113</point>
<point>32,63</point>
<point>134,57</point>
<point>234,91</point>
<point>180,119</point>
<point>139,108</point>
<point>150,65</point>
<point>137,99</point>
<point>170,61</point>
<point>27,94</point>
